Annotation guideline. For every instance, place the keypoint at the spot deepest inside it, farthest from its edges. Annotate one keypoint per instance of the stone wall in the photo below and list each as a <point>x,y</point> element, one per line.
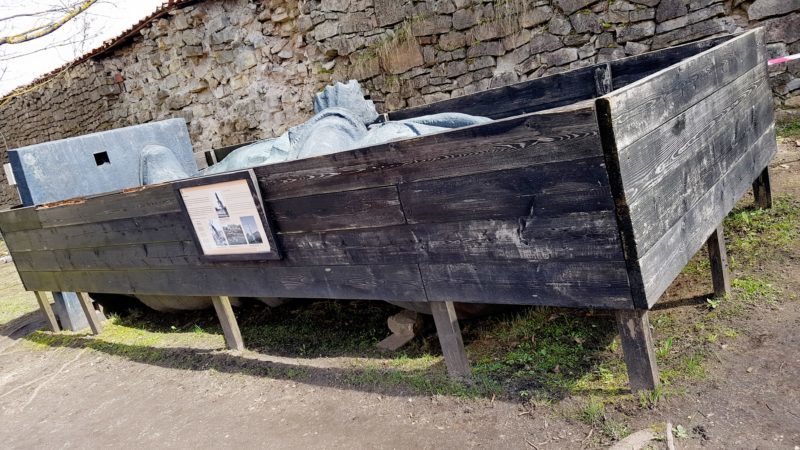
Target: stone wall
<point>240,70</point>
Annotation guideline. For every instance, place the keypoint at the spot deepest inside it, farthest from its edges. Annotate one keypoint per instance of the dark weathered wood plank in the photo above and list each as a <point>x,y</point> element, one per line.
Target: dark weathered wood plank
<point>147,229</point>
<point>455,357</point>
<point>762,191</point>
<point>529,140</point>
<point>364,208</point>
<point>390,282</point>
<point>89,311</point>
<point>567,284</point>
<point>718,257</point>
<point>547,234</point>
<point>504,194</point>
<point>637,349</point>
<point>643,106</point>
<point>633,68</point>
<point>603,81</point>
<point>47,311</point>
<point>19,219</point>
<point>230,328</point>
<point>521,98</point>
<point>149,200</point>
<point>664,261</point>
<point>655,202</point>
<point>681,140</point>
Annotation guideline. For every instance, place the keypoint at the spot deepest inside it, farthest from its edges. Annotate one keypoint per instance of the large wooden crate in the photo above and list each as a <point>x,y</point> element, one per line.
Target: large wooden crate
<point>591,189</point>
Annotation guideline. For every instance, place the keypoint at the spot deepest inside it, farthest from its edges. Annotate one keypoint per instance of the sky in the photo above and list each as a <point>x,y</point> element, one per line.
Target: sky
<point>25,62</point>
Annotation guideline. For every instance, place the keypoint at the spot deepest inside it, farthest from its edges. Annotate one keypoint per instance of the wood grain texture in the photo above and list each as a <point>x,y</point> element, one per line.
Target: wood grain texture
<point>638,349</point>
<point>521,98</point>
<point>19,219</point>
<point>535,139</point>
<point>230,328</point>
<point>506,194</point>
<point>139,202</point>
<point>449,332</point>
<point>664,261</point>
<point>147,229</point>
<point>549,235</point>
<point>693,160</point>
<point>390,282</point>
<point>643,106</point>
<point>363,208</point>
<point>718,257</point>
<point>633,68</point>
<point>672,141</point>
<point>554,283</point>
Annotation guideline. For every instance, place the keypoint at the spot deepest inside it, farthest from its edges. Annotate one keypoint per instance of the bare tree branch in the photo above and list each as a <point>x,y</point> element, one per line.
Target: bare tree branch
<point>33,14</point>
<point>49,28</point>
<point>82,38</point>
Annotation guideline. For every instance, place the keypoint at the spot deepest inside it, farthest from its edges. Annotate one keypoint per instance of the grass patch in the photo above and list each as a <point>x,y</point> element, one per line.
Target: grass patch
<point>15,301</point>
<point>594,414</point>
<point>755,233</point>
<point>788,129</point>
<point>544,350</point>
<point>753,291</point>
<point>427,381</point>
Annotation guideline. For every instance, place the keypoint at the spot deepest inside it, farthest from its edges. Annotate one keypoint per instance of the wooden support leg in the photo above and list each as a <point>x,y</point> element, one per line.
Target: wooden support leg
<point>47,310</point>
<point>762,191</point>
<point>444,315</point>
<point>91,314</point>
<point>719,263</point>
<point>637,346</point>
<point>233,337</point>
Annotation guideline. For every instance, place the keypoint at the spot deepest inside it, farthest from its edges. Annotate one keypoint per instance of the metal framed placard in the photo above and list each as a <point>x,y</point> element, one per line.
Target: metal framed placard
<point>227,217</point>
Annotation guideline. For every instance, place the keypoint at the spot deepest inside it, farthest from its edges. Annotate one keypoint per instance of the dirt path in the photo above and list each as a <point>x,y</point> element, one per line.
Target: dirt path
<point>79,397</point>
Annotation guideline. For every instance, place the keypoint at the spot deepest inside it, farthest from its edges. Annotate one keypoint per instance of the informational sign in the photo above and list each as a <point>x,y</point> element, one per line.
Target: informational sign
<point>227,217</point>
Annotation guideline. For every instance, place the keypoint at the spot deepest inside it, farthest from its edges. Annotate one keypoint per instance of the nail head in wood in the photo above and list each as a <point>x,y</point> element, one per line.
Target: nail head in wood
<point>230,328</point>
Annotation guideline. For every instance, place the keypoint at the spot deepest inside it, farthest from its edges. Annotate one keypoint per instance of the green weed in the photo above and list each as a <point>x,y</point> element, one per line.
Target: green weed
<point>753,291</point>
<point>663,348</point>
<point>756,234</point>
<point>788,129</point>
<point>593,412</point>
<point>650,399</point>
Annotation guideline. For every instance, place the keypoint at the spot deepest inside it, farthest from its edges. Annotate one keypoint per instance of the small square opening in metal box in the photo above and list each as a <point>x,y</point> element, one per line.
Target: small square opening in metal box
<point>101,158</point>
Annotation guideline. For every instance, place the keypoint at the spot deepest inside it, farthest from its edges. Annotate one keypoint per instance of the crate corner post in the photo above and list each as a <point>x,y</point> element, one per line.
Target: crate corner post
<point>638,349</point>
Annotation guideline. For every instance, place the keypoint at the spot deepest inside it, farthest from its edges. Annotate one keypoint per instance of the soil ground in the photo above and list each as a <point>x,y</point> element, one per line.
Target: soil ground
<point>544,378</point>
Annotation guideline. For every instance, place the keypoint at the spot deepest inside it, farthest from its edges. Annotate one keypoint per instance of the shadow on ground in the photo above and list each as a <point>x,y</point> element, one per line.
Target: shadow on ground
<point>522,353</point>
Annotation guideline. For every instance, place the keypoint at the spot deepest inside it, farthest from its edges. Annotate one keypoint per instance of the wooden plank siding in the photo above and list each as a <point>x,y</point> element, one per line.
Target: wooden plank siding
<point>522,202</point>
<point>682,146</point>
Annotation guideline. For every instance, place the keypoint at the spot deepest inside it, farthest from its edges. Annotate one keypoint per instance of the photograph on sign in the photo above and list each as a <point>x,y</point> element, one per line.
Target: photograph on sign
<point>225,218</point>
